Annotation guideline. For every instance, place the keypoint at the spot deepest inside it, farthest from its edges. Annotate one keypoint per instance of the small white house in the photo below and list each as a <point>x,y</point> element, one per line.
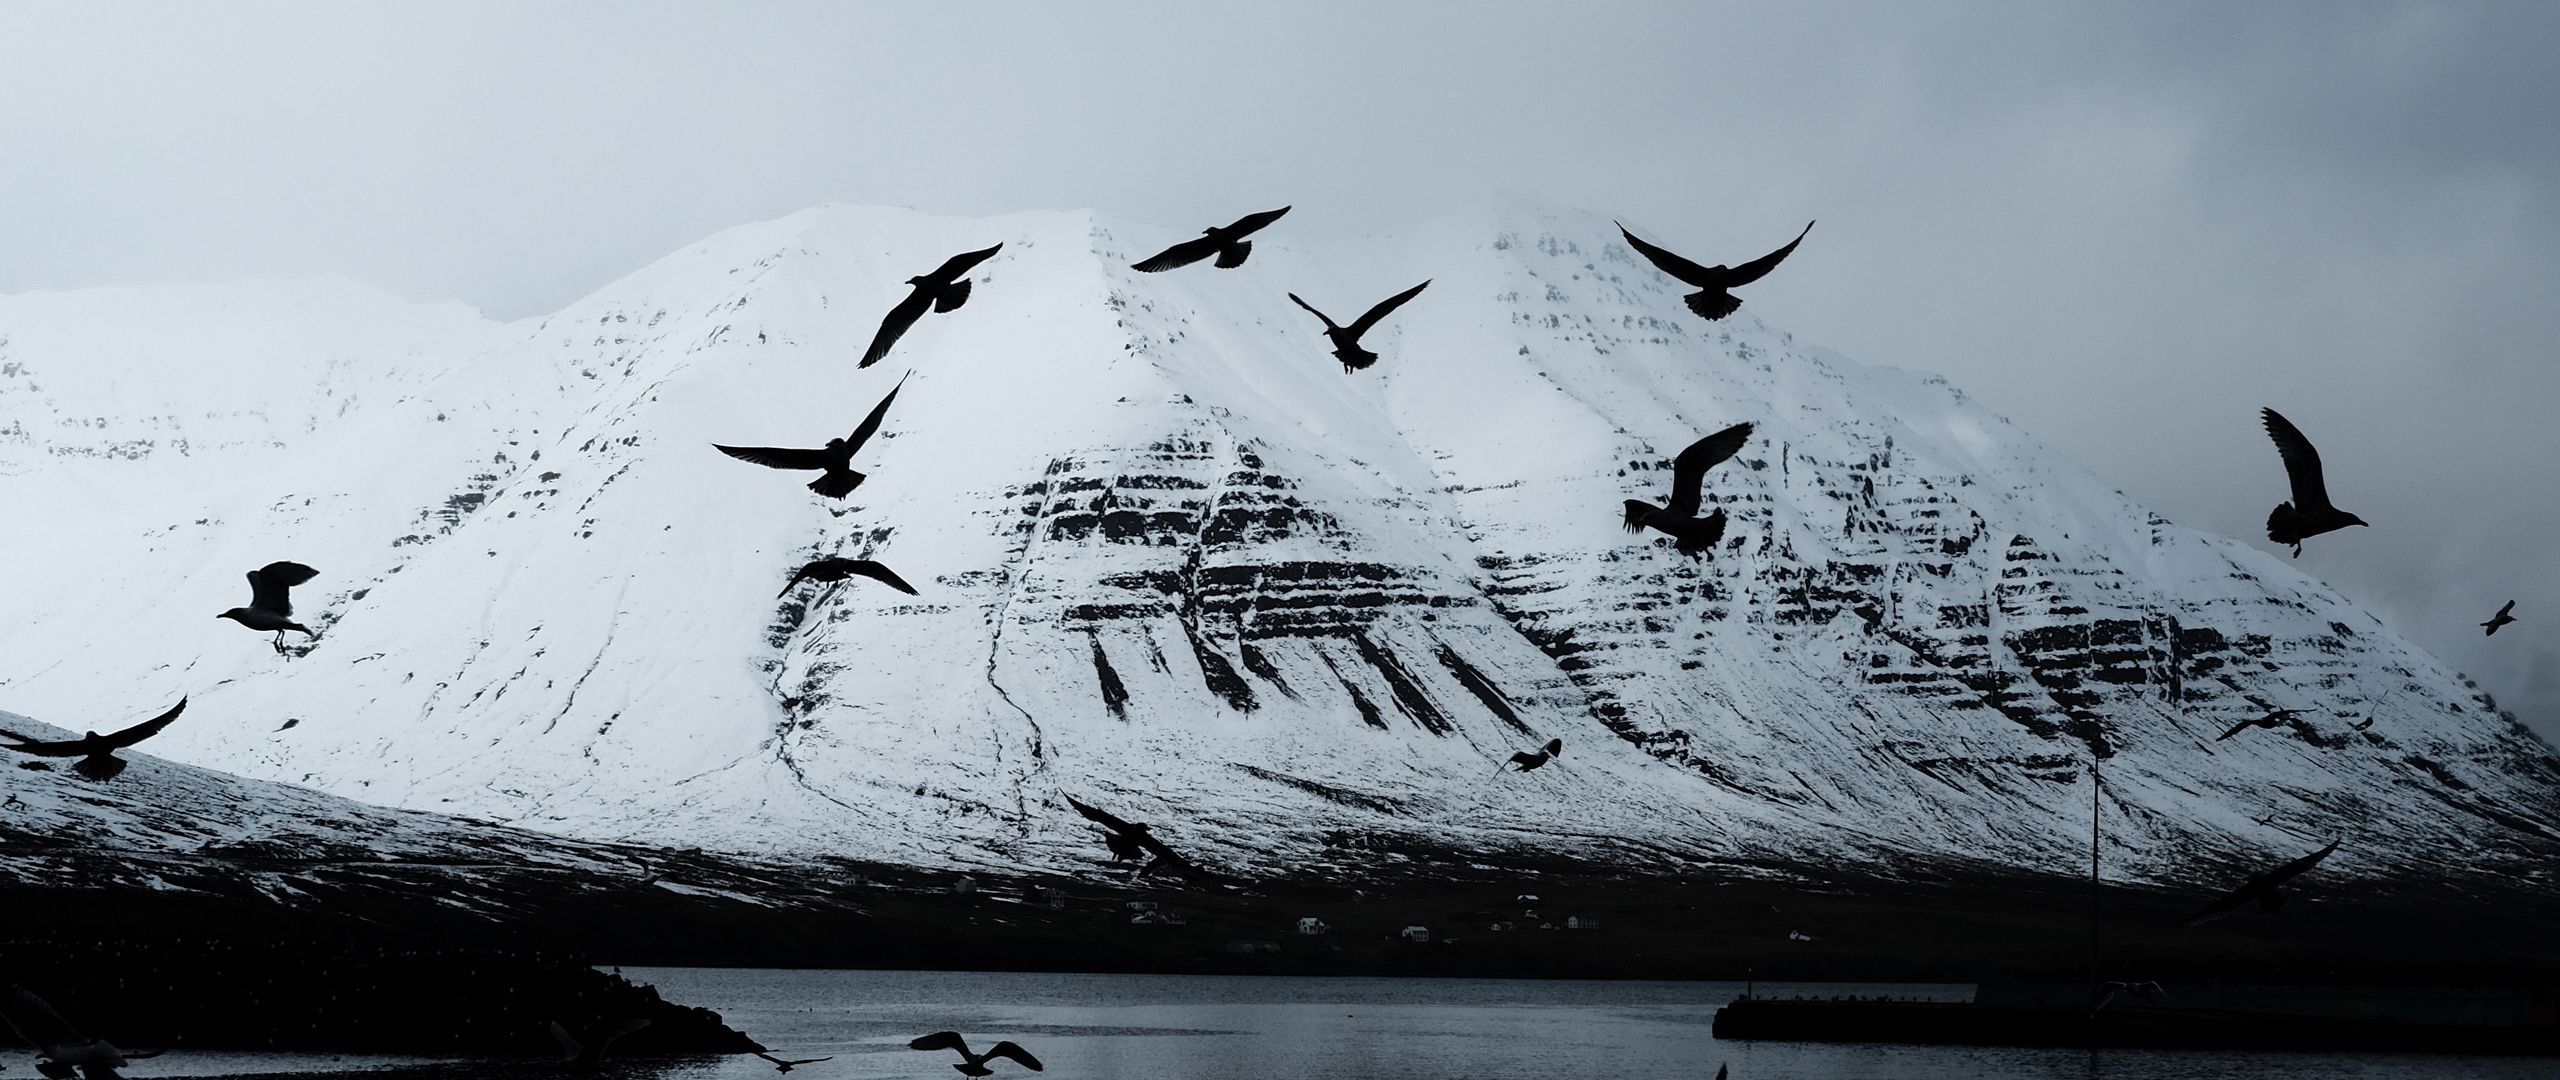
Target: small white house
<point>964,885</point>
<point>1419,935</point>
<point>1312,926</point>
<point>1582,922</point>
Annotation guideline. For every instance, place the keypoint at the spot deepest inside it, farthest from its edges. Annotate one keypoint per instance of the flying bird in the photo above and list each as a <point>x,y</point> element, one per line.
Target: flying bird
<point>1130,840</point>
<point>586,1053</point>
<point>836,458</point>
<point>2274,719</point>
<point>97,753</point>
<point>2502,618</point>
<point>1346,339</point>
<point>271,601</point>
<point>832,569</point>
<point>2363,724</point>
<point>975,1064</point>
<point>1712,301</point>
<point>1679,518</point>
<point>945,289</point>
<point>2262,888</point>
<point>1228,244</point>
<point>61,1050</point>
<point>2309,514</point>
<point>1529,761</point>
<point>779,1065</point>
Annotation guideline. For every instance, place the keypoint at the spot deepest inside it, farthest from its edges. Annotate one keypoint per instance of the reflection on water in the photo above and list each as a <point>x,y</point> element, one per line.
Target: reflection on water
<point>1180,1027</point>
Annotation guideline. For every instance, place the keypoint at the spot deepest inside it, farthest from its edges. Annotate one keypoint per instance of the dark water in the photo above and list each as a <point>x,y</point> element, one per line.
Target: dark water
<point>1179,1027</point>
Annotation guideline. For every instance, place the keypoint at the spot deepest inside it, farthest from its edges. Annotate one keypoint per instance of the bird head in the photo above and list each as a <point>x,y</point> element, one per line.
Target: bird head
<point>2354,520</point>
<point>835,444</point>
<point>234,614</point>
<point>921,279</point>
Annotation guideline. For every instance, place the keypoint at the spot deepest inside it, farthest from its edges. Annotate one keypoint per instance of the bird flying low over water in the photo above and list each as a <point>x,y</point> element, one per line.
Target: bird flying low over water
<point>2502,618</point>
<point>780,1065</point>
<point>586,1053</point>
<point>1678,518</point>
<point>61,1051</point>
<point>945,289</point>
<point>2262,888</point>
<point>271,600</point>
<point>2309,514</point>
<point>97,753</point>
<point>2274,719</point>
<point>1712,301</point>
<point>836,458</point>
<point>1130,840</point>
<point>975,1064</point>
<point>1529,761</point>
<point>1228,244</point>
<point>1346,339</point>
<point>840,569</point>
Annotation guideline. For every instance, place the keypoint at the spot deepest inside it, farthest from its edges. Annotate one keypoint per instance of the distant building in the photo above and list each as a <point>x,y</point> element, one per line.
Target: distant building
<point>1049,897</point>
<point>1311,926</point>
<point>1582,922</point>
<point>1502,926</point>
<point>964,885</point>
<point>1419,935</point>
<point>1248,948</point>
<point>1139,906</point>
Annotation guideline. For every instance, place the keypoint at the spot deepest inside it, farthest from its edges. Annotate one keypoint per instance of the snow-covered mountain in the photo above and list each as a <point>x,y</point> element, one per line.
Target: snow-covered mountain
<point>1173,560</point>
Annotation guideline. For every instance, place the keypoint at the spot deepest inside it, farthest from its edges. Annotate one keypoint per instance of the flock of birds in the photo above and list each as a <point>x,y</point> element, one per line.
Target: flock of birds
<point>945,289</point>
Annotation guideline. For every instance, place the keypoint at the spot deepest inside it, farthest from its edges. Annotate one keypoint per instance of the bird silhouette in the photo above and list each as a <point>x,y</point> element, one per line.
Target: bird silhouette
<point>1679,518</point>
<point>2309,514</point>
<point>945,289</point>
<point>97,753</point>
<point>1712,301</point>
<point>1346,339</point>
<point>2363,724</point>
<point>271,601</point>
<point>2262,888</point>
<point>2148,991</point>
<point>2502,618</point>
<point>1227,243</point>
<point>836,458</point>
<point>975,1064</point>
<point>1529,761</point>
<point>833,569</point>
<point>780,1065</point>
<point>61,1050</point>
<point>1131,840</point>
<point>2274,719</point>
<point>586,1053</point>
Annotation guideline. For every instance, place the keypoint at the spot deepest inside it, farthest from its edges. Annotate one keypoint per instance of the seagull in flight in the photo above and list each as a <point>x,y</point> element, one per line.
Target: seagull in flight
<point>2502,618</point>
<point>97,753</point>
<point>1712,301</point>
<point>1346,339</point>
<point>837,478</point>
<point>945,289</point>
<point>1228,244</point>
<point>61,1050</point>
<point>780,1065</point>
<point>975,1064</point>
<point>1679,518</point>
<point>2274,719</point>
<point>271,601</point>
<point>1130,840</point>
<point>1529,761</point>
<point>832,569</point>
<point>2309,514</point>
<point>2262,888</point>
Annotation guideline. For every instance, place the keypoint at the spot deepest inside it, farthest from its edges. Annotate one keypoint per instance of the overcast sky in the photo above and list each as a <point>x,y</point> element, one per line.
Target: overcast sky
<point>2124,226</point>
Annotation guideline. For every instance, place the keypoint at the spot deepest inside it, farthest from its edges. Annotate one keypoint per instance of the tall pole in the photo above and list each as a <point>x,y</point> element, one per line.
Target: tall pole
<point>2094,784</point>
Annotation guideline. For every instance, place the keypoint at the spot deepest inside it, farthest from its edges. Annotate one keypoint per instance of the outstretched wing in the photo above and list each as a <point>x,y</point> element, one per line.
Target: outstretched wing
<point>871,423</point>
<point>1754,270</point>
<point>1252,223</point>
<point>883,575</point>
<point>1384,306</point>
<point>1007,1049</point>
<point>570,1049</point>
<point>941,1040</point>
<point>1525,758</point>
<point>147,728</point>
<point>268,585</point>
<point>1182,254</point>
<point>1554,747</point>
<point>2301,462</point>
<point>1329,324</point>
<point>1100,817</point>
<point>896,323</point>
<point>2220,907</point>
<point>2502,612</point>
<point>1674,265</point>
<point>41,748</point>
<point>776,457</point>
<point>2291,870</point>
<point>1689,470</point>
<point>2236,729</point>
<point>959,264</point>
<point>36,1023</point>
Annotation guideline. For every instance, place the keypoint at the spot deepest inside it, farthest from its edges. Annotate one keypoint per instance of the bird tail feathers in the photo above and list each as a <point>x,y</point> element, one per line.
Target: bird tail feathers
<point>2284,524</point>
<point>951,298</point>
<point>1233,255</point>
<point>1637,510</point>
<point>1712,305</point>
<point>836,485</point>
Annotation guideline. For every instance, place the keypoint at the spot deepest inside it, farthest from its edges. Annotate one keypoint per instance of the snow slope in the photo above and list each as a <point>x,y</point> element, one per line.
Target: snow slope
<point>1174,561</point>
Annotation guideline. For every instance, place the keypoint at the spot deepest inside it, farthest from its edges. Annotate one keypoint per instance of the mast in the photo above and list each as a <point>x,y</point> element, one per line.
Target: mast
<point>2094,785</point>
